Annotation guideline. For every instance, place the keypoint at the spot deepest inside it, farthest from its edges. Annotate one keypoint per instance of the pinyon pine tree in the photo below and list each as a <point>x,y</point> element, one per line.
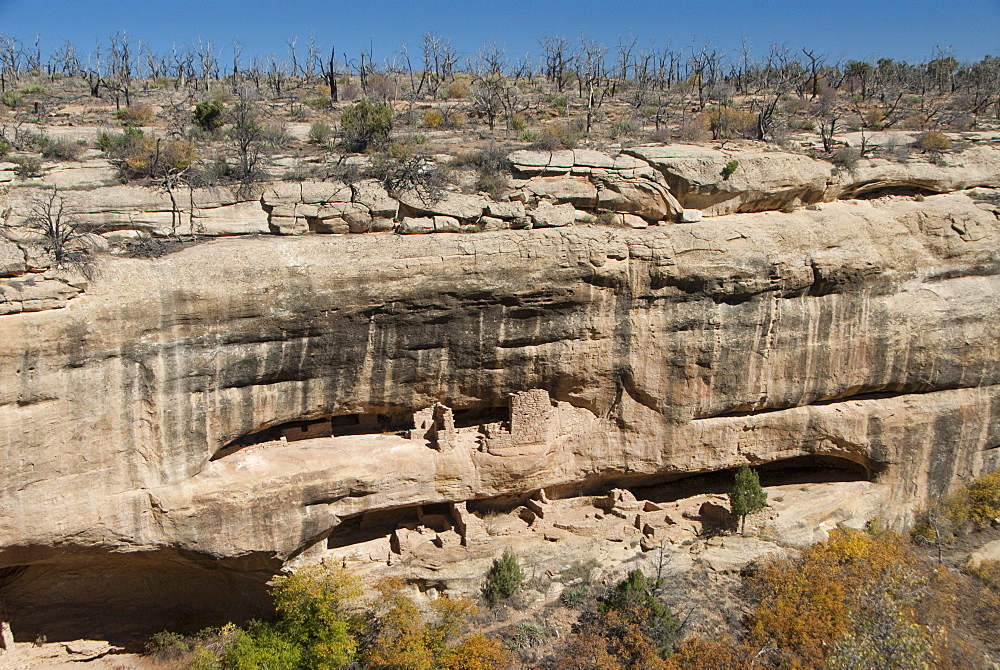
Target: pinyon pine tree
<point>747,496</point>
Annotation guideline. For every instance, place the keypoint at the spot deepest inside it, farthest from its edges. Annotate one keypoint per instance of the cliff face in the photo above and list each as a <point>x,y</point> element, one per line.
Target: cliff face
<point>864,332</point>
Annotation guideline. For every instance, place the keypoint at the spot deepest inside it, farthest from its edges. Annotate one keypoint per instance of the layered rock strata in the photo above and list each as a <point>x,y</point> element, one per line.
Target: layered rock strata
<point>134,423</point>
<point>641,186</point>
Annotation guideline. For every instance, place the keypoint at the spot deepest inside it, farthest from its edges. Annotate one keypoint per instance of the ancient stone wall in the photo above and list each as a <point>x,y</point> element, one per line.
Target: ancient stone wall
<point>434,425</point>
<point>529,414</point>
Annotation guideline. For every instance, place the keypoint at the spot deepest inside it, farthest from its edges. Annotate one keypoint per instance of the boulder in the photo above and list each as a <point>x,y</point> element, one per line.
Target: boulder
<point>690,216</point>
<point>633,221</point>
<point>976,166</point>
<point>240,218</point>
<point>372,195</point>
<point>554,216</point>
<point>381,224</point>
<point>638,195</point>
<point>446,224</point>
<point>287,224</point>
<point>334,224</point>
<point>729,555</point>
<point>11,259</point>
<point>713,514</point>
<point>412,225</point>
<point>493,223</point>
<point>358,220</point>
<point>505,210</point>
<point>988,552</point>
<point>88,650</point>
<point>458,205</point>
<point>574,190</point>
<point>35,293</point>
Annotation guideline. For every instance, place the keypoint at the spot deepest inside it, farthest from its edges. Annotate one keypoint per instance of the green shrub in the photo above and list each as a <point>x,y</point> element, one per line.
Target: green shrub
<point>60,149</point>
<point>209,115</point>
<point>276,135</point>
<point>10,98</point>
<point>492,164</point>
<point>575,596</point>
<point>167,645</point>
<point>932,140</point>
<point>579,570</point>
<point>730,168</point>
<point>495,184</point>
<point>623,128</point>
<point>32,88</point>
<point>4,148</point>
<point>320,133</point>
<point>143,115</point>
<point>492,159</point>
<point>433,118</point>
<point>633,598</point>
<point>113,143</point>
<point>366,124</point>
<point>969,508</point>
<point>726,122</point>
<point>298,172</point>
<point>27,166</point>
<point>556,137</point>
<point>607,218</point>
<point>262,647</point>
<point>559,103</point>
<point>503,579</point>
<point>846,157</point>
<point>526,634</point>
<point>318,103</point>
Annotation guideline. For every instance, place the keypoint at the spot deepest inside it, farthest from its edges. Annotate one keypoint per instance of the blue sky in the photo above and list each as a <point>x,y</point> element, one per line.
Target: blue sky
<point>909,29</point>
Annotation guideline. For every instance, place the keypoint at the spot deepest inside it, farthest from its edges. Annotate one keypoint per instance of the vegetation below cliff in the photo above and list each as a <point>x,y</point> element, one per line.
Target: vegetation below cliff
<point>860,599</point>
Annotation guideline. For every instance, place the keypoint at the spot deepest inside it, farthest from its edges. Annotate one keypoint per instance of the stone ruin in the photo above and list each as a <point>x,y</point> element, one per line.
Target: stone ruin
<point>532,419</point>
<point>616,516</point>
<point>435,425</point>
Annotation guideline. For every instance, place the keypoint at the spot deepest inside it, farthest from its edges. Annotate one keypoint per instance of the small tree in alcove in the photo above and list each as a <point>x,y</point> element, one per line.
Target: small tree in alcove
<point>747,496</point>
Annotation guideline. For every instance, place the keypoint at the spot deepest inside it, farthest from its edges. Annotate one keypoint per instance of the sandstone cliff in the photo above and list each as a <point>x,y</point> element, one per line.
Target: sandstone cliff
<point>134,423</point>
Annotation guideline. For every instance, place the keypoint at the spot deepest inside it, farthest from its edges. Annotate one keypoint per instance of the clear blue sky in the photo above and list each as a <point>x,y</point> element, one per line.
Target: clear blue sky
<point>902,29</point>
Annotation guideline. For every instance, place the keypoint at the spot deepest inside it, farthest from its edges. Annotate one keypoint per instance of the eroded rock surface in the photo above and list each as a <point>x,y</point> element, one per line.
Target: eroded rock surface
<point>158,410</point>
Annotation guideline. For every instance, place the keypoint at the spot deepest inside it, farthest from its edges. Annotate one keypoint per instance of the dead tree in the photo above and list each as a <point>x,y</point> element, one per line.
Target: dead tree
<point>330,74</point>
<point>440,60</point>
<point>49,220</point>
<point>815,64</point>
<point>558,57</point>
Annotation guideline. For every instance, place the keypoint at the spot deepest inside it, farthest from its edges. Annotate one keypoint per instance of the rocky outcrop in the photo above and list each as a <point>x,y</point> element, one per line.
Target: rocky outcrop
<point>764,179</point>
<point>593,180</point>
<point>212,211</point>
<point>328,207</point>
<point>761,180</point>
<point>865,336</point>
<point>976,166</point>
<point>189,424</point>
<point>660,184</point>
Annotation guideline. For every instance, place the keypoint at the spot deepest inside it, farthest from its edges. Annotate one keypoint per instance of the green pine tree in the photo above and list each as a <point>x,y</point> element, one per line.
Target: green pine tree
<point>747,496</point>
<point>504,578</point>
